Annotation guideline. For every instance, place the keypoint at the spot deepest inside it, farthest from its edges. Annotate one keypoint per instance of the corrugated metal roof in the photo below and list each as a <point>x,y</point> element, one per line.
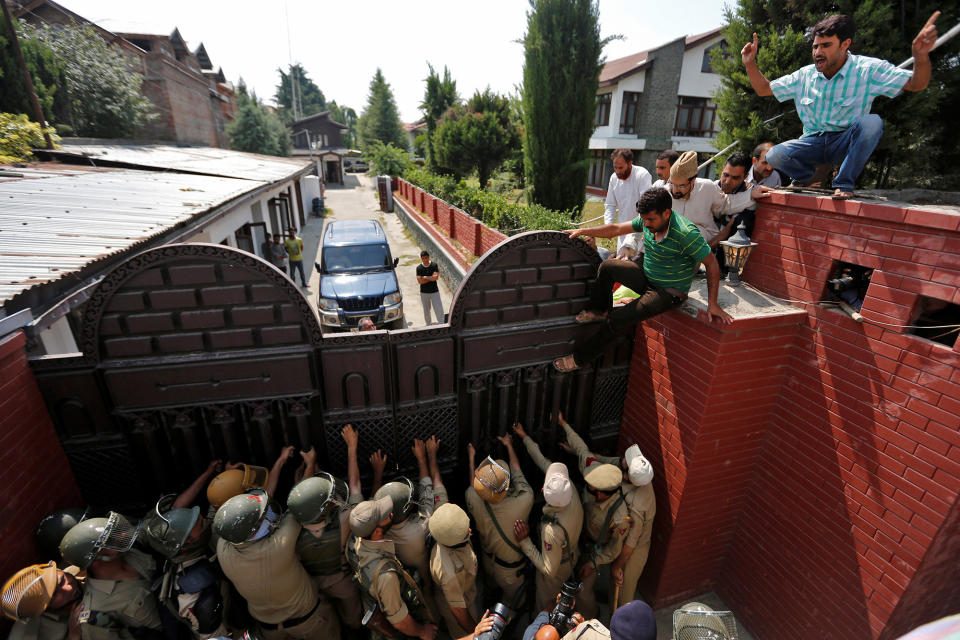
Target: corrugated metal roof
<point>55,225</point>
<point>209,160</point>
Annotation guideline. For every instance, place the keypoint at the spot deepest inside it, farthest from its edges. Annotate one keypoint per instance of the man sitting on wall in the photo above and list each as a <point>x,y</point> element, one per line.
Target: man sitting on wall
<point>674,250</point>
<point>833,98</point>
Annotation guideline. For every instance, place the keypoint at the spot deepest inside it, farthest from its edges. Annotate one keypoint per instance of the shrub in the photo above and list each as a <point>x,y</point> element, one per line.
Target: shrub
<point>493,209</point>
<point>18,136</point>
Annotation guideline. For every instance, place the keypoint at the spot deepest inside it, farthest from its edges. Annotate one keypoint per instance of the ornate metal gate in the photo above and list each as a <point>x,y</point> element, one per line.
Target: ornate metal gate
<point>192,352</point>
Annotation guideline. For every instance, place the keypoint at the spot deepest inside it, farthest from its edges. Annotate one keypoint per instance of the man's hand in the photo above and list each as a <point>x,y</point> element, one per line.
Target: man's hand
<point>718,314</point>
<point>433,446</point>
<point>419,450</point>
<point>378,460</point>
<point>626,253</point>
<point>617,574</point>
<point>213,467</point>
<point>927,37</point>
<point>759,192</point>
<point>428,631</point>
<point>285,454</point>
<point>471,451</point>
<point>506,440</point>
<point>350,437</point>
<point>566,447</point>
<point>518,429</point>
<point>233,465</point>
<point>520,530</point>
<point>573,233</point>
<point>560,420</point>
<point>309,456</point>
<point>749,52</point>
<point>619,302</point>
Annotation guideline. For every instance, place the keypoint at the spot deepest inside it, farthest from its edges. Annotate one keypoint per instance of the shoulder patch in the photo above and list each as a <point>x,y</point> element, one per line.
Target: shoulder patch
<point>547,546</point>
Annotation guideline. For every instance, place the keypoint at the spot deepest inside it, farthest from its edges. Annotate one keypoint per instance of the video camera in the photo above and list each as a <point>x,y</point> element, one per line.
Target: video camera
<point>560,617</point>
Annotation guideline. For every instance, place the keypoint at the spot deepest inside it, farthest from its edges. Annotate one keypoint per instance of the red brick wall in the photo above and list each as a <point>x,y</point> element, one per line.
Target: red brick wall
<point>808,471</point>
<point>33,468</point>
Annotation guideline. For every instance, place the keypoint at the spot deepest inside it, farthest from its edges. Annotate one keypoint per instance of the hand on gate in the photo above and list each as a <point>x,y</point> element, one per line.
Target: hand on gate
<point>518,429</point>
<point>350,436</point>
<point>419,450</point>
<point>378,460</point>
<point>433,446</point>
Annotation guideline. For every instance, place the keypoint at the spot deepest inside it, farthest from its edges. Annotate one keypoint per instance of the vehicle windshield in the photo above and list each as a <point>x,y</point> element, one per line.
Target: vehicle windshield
<point>362,257</point>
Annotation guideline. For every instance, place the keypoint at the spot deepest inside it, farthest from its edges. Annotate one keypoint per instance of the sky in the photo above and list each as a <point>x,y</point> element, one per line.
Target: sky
<point>342,44</point>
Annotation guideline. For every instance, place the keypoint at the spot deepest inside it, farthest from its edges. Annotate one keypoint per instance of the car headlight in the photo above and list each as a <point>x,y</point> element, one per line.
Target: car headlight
<point>328,304</point>
<point>392,299</point>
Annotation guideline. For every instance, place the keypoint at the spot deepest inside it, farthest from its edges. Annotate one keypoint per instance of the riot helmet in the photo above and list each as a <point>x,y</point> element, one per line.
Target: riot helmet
<point>233,482</point>
<point>318,498</point>
<point>53,527</point>
<point>248,517</point>
<point>86,541</point>
<point>405,494</point>
<point>167,529</point>
<point>29,591</point>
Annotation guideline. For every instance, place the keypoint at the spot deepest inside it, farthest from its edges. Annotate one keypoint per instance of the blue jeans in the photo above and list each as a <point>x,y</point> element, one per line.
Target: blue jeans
<point>297,265</point>
<point>851,148</point>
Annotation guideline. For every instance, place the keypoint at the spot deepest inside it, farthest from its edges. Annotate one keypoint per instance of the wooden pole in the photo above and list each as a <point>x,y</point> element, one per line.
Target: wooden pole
<point>37,110</point>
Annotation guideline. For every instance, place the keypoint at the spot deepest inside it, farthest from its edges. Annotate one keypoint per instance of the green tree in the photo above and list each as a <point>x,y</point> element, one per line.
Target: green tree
<point>477,137</point>
<point>255,129</point>
<point>345,115</point>
<point>103,95</point>
<point>380,120</point>
<point>46,71</point>
<point>913,137</point>
<point>310,97</point>
<point>19,136</point>
<point>439,95</point>
<point>387,159</point>
<point>561,71</point>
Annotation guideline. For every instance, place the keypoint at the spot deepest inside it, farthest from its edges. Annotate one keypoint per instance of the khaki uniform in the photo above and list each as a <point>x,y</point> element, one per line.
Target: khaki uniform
<point>269,575</point>
<point>643,507</point>
<point>586,458</point>
<point>455,572</point>
<point>559,536</point>
<point>588,630</point>
<point>607,543</point>
<point>503,560</point>
<point>410,536</point>
<point>377,565</point>
<point>46,627</point>
<point>110,607</point>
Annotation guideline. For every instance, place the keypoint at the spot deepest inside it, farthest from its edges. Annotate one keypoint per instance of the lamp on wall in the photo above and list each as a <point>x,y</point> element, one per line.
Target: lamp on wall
<point>736,250</point>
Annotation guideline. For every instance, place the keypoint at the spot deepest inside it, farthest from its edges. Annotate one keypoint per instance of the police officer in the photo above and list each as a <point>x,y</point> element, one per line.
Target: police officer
<point>257,552</point>
<point>380,573</point>
<point>117,599</point>
<point>52,528</point>
<point>322,504</point>
<point>496,500</point>
<point>412,507</point>
<point>560,526</point>
<point>235,480</point>
<point>191,588</point>
<point>607,523</point>
<point>40,599</point>
<point>453,567</point>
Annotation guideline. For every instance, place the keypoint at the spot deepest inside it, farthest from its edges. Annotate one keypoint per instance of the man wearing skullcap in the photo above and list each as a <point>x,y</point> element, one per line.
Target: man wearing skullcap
<point>497,498</point>
<point>560,525</point>
<point>453,566</point>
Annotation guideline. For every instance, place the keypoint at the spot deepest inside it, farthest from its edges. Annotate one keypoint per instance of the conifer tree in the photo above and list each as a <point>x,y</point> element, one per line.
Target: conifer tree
<point>380,119</point>
<point>310,98</point>
<point>561,72</point>
<point>439,95</point>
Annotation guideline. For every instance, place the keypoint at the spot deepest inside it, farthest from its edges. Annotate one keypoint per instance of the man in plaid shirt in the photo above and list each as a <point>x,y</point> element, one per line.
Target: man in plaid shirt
<point>833,98</point>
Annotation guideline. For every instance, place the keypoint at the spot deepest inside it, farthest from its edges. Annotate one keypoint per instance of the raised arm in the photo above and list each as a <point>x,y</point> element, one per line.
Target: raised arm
<point>507,441</point>
<point>350,436</point>
<point>922,46</point>
<point>603,231</point>
<point>285,454</point>
<point>471,462</point>
<point>419,450</point>
<point>309,466</point>
<point>758,81</point>
<point>532,448</point>
<point>189,495</point>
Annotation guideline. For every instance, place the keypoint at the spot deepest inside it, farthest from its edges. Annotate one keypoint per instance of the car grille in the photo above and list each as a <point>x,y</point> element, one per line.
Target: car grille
<point>361,303</point>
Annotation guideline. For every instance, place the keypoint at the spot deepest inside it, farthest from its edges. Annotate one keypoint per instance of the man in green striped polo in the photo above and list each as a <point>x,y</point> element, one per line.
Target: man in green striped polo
<point>674,251</point>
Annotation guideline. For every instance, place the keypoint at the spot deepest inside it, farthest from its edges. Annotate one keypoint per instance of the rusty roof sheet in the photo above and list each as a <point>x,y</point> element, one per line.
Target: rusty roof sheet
<point>60,221</point>
<point>207,160</point>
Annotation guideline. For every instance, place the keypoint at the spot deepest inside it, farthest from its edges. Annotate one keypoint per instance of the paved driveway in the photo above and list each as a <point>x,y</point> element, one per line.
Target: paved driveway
<point>357,200</point>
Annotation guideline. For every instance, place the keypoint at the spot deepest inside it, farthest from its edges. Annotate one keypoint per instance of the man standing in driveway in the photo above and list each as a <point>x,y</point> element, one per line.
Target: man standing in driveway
<point>427,275</point>
<point>294,247</point>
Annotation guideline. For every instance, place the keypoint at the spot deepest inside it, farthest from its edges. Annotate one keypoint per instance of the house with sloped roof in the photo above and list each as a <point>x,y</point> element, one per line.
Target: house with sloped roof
<point>660,98</point>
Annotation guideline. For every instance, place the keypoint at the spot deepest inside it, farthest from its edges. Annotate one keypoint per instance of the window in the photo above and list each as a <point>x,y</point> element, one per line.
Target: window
<point>933,319</point>
<point>705,65</point>
<point>602,118</point>
<point>598,161</point>
<point>696,118</point>
<point>629,112</point>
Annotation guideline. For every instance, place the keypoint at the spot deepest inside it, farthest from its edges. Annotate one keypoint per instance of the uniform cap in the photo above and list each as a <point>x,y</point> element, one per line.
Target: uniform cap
<point>557,490</point>
<point>367,515</point>
<point>633,621</point>
<point>449,525</point>
<point>28,592</point>
<point>638,468</point>
<point>685,167</point>
<point>491,480</point>
<point>604,477</point>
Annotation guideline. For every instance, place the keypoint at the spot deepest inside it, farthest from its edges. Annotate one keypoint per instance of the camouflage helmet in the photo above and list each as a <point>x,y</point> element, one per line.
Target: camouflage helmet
<point>314,499</point>
<point>233,482</point>
<point>404,493</point>
<point>29,591</point>
<point>53,527</point>
<point>86,540</point>
<point>166,529</point>
<point>247,517</point>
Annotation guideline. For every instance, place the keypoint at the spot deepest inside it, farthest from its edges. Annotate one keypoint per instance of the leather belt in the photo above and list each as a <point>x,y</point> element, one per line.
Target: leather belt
<point>508,565</point>
<point>291,622</point>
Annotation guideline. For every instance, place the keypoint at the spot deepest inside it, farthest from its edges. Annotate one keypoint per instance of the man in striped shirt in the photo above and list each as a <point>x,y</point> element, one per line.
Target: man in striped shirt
<point>674,251</point>
<point>833,97</point>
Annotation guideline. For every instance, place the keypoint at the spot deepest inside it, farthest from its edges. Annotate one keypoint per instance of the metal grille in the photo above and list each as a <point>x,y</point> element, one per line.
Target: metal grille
<point>441,422</point>
<point>361,303</point>
<point>608,396</point>
<point>376,433</point>
<point>704,625</point>
<point>106,474</point>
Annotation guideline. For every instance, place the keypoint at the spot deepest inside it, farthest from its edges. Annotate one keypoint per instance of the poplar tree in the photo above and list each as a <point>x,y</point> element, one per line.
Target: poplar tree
<point>380,119</point>
<point>561,71</point>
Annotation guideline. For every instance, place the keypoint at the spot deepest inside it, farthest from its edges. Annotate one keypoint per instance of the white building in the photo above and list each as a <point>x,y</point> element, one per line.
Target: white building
<point>653,100</point>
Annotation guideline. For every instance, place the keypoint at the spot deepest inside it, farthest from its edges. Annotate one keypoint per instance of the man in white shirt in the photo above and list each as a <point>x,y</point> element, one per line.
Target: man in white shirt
<point>699,200</point>
<point>761,172</point>
<point>665,160</point>
<point>627,184</point>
